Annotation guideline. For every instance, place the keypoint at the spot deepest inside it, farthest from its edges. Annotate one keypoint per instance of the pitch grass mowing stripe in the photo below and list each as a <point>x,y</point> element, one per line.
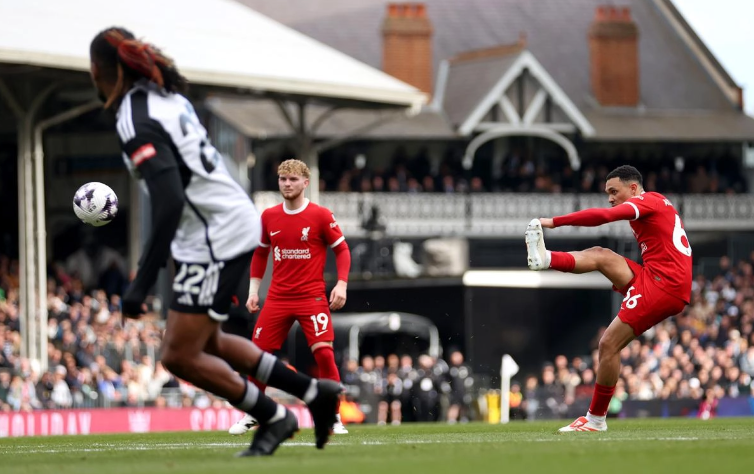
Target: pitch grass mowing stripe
<point>645,446</point>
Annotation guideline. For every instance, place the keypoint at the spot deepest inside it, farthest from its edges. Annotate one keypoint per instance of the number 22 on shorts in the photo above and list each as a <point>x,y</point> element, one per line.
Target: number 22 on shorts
<point>631,301</point>
<point>320,322</point>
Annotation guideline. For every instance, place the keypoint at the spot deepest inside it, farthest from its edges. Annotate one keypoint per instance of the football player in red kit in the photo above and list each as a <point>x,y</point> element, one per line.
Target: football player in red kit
<point>298,234</point>
<point>654,291</point>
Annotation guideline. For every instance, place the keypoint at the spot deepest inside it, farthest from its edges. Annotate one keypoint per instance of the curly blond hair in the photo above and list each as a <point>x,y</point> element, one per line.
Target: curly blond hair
<point>296,167</point>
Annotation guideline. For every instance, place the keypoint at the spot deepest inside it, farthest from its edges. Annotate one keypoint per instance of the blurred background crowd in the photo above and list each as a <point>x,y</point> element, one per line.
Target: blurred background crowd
<point>521,171</point>
<point>96,358</point>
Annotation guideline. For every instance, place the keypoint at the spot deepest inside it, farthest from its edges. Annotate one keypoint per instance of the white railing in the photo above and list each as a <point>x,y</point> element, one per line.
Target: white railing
<point>506,214</point>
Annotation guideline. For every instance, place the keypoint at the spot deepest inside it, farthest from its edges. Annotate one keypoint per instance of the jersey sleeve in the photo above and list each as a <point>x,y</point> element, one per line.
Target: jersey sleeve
<point>146,145</point>
<point>642,206</point>
<point>333,234</point>
<point>595,217</point>
<point>264,239</point>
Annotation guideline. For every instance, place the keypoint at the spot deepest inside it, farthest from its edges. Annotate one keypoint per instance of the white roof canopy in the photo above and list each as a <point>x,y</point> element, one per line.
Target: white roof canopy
<point>214,42</point>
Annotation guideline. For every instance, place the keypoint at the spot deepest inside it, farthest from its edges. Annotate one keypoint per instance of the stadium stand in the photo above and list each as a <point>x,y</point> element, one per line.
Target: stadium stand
<point>98,359</point>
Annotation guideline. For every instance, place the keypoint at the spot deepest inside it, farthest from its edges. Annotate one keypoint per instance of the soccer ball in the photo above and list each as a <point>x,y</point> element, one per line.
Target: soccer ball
<point>95,204</point>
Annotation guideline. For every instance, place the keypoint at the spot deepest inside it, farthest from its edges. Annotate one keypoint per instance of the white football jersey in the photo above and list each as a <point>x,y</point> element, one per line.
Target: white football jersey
<point>219,220</point>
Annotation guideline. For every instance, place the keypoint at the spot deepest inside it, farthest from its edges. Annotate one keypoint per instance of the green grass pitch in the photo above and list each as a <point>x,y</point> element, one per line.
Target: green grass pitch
<point>631,446</point>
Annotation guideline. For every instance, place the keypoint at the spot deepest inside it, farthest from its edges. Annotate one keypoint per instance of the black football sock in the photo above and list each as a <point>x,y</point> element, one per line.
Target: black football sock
<point>272,372</point>
<point>258,405</point>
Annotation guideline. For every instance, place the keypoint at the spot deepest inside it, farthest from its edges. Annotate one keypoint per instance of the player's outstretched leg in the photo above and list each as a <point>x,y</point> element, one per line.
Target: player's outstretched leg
<point>271,435</point>
<point>243,425</point>
<point>537,254</point>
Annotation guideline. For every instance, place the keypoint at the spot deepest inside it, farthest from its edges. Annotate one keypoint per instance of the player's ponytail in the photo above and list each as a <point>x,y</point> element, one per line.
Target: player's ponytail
<point>125,59</point>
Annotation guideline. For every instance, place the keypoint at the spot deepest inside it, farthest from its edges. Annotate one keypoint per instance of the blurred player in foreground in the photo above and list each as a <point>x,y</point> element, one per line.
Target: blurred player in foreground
<point>652,292</point>
<point>209,224</point>
<point>298,232</point>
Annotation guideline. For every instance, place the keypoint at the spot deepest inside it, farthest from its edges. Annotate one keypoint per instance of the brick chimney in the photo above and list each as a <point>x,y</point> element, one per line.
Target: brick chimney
<point>407,44</point>
<point>614,57</point>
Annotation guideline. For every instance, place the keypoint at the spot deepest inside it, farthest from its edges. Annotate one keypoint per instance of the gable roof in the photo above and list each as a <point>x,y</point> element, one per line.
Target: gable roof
<point>477,85</point>
<point>672,76</point>
<point>219,42</point>
<point>680,79</point>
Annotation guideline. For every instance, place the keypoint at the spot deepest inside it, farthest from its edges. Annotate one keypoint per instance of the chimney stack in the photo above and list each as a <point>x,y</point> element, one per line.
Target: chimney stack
<point>407,44</point>
<point>614,57</point>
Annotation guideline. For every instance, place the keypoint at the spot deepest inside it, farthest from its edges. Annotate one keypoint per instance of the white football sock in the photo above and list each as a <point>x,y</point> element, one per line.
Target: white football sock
<point>595,419</point>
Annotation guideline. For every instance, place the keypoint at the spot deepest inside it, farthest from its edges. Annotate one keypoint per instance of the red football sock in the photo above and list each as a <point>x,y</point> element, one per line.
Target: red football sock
<point>562,261</point>
<point>325,358</point>
<point>601,399</point>
<point>328,369</point>
<point>262,387</point>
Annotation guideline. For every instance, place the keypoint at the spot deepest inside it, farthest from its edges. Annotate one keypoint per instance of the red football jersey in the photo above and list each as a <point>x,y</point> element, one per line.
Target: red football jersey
<point>299,240</point>
<point>665,249</point>
<point>659,232</point>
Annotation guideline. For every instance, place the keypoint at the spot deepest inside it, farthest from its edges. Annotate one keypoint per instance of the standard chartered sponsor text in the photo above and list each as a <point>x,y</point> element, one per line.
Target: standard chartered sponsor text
<point>296,254</point>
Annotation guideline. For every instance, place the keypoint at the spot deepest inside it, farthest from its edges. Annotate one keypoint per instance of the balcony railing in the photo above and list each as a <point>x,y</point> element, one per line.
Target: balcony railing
<point>507,214</point>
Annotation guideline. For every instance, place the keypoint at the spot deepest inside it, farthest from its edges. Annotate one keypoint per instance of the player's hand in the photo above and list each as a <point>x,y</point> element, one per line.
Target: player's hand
<point>252,304</point>
<point>133,310</point>
<point>132,303</point>
<point>338,295</point>
<point>547,223</point>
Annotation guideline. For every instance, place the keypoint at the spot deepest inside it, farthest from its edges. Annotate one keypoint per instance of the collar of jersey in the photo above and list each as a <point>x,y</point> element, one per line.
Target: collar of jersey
<point>296,211</point>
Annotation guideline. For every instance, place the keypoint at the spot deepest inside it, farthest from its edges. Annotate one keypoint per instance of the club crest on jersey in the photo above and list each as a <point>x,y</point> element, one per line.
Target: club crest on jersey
<point>256,333</point>
<point>305,234</point>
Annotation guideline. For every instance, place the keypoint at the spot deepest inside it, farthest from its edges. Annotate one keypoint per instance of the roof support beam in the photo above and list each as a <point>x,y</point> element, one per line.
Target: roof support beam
<point>531,131</point>
<point>535,106</point>
<point>509,110</point>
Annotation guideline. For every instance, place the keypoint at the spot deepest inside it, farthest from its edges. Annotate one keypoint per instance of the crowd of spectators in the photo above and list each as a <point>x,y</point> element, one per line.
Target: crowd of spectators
<point>397,389</point>
<point>96,358</point>
<point>348,171</point>
<point>704,354</point>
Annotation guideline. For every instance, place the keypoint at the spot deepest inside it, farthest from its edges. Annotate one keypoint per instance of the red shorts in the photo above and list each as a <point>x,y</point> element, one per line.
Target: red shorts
<point>645,304</point>
<point>277,317</point>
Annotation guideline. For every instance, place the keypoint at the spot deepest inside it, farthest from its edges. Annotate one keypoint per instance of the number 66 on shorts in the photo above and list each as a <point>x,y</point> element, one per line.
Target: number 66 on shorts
<point>644,303</point>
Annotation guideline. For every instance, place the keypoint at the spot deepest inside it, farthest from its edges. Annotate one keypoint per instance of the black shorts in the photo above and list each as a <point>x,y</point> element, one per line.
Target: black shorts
<point>208,288</point>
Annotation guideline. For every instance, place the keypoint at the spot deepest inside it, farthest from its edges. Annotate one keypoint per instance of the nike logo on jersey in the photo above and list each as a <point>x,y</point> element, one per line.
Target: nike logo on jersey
<point>275,233</point>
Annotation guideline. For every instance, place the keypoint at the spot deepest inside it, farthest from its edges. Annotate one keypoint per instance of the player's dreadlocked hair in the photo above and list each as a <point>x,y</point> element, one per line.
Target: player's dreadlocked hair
<point>626,173</point>
<point>122,58</point>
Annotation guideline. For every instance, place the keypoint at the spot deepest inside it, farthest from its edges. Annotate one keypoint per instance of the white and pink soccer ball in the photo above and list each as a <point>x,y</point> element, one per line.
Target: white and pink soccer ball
<point>95,204</point>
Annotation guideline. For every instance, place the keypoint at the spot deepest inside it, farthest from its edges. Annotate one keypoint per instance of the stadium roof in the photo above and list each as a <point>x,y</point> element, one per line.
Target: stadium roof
<point>686,94</point>
<point>214,42</point>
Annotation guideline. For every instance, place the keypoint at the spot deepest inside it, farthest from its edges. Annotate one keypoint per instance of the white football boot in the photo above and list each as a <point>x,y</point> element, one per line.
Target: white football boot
<point>339,427</point>
<point>535,246</point>
<point>583,423</point>
<point>243,425</point>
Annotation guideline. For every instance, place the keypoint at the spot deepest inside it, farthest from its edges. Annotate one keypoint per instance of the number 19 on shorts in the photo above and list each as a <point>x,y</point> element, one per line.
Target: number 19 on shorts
<point>320,322</point>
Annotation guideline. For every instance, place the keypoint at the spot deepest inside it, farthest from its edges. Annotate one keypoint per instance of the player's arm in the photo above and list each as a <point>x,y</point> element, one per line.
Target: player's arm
<point>629,210</point>
<point>154,160</point>
<point>337,241</point>
<point>258,267</point>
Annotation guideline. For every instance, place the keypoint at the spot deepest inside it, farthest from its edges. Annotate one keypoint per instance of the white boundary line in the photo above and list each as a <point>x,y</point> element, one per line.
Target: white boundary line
<point>121,447</point>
